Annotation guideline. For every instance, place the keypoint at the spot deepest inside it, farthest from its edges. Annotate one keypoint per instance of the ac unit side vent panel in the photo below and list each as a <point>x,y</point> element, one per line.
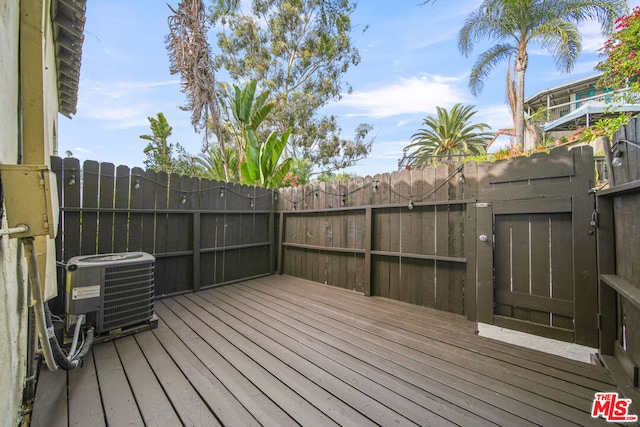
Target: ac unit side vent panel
<point>128,296</point>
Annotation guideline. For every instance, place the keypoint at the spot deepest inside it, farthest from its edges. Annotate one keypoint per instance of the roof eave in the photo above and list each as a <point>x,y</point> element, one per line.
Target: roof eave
<point>68,18</point>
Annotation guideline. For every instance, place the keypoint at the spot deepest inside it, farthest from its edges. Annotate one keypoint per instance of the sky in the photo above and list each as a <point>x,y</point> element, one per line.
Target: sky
<point>410,64</point>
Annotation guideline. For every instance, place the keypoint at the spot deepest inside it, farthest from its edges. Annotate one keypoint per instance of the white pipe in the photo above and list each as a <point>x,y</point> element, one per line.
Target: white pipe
<point>38,307</point>
<point>14,230</point>
<point>76,334</point>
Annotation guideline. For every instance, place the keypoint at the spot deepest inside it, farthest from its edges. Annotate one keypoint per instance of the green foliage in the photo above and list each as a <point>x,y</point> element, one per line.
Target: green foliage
<point>478,158</point>
<point>513,25</point>
<point>622,51</point>
<point>448,134</point>
<point>163,156</point>
<point>607,126</point>
<point>300,51</point>
<point>301,168</point>
<point>331,177</point>
<point>248,111</point>
<point>212,165</point>
<point>261,166</point>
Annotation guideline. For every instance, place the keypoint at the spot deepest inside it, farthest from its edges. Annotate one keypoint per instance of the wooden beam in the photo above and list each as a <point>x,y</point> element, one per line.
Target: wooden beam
<point>33,16</point>
<point>484,264</point>
<point>606,265</point>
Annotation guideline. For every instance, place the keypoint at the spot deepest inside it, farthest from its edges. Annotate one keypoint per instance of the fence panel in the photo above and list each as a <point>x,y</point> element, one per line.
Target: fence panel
<point>388,235</point>
<point>618,236</point>
<point>202,233</point>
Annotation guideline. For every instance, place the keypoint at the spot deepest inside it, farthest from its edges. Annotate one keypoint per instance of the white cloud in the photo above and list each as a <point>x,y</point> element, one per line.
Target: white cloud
<point>120,89</point>
<point>123,104</point>
<point>414,95</point>
<point>122,117</point>
<point>497,116</point>
<point>388,149</point>
<point>592,38</point>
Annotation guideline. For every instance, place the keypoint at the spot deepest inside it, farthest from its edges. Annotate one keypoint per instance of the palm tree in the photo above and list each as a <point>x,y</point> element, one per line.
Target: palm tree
<point>212,165</point>
<point>552,24</point>
<point>190,55</point>
<point>448,134</point>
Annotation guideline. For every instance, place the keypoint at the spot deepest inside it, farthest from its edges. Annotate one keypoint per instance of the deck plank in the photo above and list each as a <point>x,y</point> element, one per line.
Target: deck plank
<point>487,350</point>
<point>355,390</point>
<point>50,406</point>
<point>283,351</point>
<point>344,365</point>
<point>454,366</point>
<point>232,392</point>
<point>84,395</point>
<point>272,383</point>
<point>119,404</point>
<point>155,408</point>
<point>434,376</point>
<point>186,401</point>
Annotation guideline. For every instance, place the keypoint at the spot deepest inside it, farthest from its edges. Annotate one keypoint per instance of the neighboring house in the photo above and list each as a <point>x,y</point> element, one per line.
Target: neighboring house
<point>40,50</point>
<point>576,104</point>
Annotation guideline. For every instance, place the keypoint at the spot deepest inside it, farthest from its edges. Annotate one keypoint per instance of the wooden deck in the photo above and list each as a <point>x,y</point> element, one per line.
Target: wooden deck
<point>281,351</point>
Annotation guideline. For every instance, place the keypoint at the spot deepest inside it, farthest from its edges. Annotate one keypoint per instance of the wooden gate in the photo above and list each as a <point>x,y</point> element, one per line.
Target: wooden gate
<point>544,257</point>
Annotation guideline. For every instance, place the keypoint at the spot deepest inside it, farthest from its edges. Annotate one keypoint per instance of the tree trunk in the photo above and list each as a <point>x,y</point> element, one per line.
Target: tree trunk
<point>520,68</point>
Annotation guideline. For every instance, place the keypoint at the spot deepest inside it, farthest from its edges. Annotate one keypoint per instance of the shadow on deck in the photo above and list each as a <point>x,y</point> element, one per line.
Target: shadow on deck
<point>284,351</point>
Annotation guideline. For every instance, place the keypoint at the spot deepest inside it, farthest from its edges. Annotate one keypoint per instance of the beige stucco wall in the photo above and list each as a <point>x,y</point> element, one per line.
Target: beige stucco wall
<point>14,296</point>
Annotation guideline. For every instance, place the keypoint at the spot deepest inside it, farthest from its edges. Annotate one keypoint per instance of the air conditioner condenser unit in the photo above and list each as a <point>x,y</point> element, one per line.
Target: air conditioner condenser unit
<point>115,290</point>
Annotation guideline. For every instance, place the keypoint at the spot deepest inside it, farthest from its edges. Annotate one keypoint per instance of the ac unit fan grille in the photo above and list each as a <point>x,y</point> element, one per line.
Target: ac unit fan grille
<point>128,296</point>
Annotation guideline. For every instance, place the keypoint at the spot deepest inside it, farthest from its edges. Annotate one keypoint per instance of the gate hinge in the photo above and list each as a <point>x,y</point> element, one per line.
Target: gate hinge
<point>599,321</point>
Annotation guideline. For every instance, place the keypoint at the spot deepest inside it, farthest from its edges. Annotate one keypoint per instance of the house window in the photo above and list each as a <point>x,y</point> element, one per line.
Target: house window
<point>583,95</point>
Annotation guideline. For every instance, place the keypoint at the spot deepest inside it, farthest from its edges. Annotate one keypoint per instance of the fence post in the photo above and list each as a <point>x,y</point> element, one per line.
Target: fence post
<point>484,287</point>
<point>367,250</point>
<point>272,239</point>
<point>281,243</point>
<point>196,251</point>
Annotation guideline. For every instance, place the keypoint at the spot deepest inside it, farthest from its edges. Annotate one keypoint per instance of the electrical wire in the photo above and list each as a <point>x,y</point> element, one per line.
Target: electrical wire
<point>275,192</point>
<point>416,198</point>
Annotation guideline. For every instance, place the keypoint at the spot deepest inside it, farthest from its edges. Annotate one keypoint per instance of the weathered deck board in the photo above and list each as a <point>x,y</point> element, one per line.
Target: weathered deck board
<point>282,351</point>
<point>85,393</point>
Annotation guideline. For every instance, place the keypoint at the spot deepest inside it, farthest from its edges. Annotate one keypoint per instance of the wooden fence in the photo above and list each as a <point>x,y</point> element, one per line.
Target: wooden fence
<point>396,235</point>
<point>618,262</point>
<point>508,243</point>
<point>202,233</point>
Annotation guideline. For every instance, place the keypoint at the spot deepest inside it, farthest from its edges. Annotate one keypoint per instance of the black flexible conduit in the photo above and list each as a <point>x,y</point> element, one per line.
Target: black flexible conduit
<point>59,356</point>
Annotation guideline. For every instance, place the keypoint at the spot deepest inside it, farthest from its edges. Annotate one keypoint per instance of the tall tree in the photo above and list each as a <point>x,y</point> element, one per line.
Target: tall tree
<point>190,56</point>
<point>448,134</point>
<point>514,24</point>
<point>300,51</point>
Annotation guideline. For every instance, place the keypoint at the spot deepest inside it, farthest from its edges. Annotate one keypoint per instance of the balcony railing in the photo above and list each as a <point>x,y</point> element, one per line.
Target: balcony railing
<point>556,111</point>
